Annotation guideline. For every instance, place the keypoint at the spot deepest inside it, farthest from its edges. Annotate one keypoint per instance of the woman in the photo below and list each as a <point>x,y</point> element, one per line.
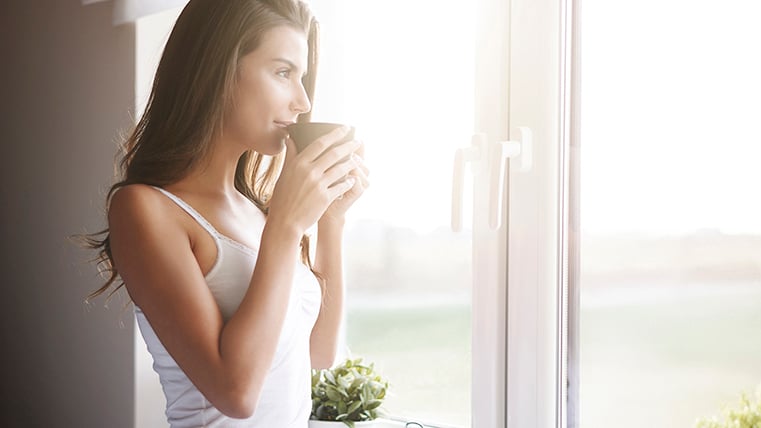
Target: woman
<point>211,250</point>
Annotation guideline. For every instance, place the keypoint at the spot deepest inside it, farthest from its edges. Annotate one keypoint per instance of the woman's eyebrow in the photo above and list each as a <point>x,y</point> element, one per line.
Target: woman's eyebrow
<point>290,63</point>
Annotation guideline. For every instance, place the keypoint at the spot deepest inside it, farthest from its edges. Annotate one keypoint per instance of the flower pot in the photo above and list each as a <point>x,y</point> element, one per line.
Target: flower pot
<point>337,424</point>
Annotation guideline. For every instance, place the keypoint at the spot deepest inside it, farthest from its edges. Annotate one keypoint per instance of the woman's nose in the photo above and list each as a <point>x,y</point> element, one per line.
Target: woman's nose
<point>300,103</point>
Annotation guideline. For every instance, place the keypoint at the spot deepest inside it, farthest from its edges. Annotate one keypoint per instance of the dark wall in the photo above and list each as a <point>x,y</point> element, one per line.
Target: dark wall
<point>67,87</point>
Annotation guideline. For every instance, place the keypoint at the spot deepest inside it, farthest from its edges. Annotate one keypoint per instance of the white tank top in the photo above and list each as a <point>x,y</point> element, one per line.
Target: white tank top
<point>285,400</point>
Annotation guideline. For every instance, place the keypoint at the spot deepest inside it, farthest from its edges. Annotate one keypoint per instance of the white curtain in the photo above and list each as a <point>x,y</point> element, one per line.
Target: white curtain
<point>131,10</point>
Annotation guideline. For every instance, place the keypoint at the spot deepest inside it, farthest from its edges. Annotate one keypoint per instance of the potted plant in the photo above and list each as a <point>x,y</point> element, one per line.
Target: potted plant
<point>746,415</point>
<point>350,394</point>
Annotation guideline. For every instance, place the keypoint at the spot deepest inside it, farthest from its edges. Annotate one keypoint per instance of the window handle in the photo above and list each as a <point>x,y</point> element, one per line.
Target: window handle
<point>521,153</point>
<point>462,157</point>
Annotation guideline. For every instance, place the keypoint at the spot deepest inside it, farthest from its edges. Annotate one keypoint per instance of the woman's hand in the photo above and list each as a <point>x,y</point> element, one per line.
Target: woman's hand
<point>312,180</point>
<point>337,210</point>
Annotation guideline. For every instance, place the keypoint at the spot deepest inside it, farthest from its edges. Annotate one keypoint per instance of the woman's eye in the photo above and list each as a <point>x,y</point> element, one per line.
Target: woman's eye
<point>284,73</point>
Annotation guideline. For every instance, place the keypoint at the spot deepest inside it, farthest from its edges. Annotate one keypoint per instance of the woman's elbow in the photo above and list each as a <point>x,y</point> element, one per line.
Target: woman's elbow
<point>323,360</point>
<point>236,400</point>
<point>238,406</point>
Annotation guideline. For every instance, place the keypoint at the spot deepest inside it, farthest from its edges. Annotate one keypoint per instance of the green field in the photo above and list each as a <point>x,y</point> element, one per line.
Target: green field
<point>666,363</point>
<point>657,364</point>
<point>424,353</point>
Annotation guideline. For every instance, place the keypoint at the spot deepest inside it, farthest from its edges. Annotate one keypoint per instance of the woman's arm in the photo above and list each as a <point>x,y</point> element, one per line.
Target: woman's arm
<point>153,253</point>
<point>329,263</point>
<point>154,257</point>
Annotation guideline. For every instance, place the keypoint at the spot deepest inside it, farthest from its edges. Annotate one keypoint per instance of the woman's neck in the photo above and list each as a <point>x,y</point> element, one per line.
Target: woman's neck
<point>214,175</point>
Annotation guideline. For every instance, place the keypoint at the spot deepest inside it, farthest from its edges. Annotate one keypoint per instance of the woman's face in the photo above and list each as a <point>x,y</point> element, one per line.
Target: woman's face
<point>269,94</point>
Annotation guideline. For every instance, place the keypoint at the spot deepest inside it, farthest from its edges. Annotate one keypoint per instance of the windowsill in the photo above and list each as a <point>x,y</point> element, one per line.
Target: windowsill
<point>404,423</point>
<point>399,423</point>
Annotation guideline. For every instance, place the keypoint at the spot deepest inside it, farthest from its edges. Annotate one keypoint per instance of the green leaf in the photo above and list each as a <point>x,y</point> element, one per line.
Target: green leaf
<point>373,404</point>
<point>356,383</point>
<point>344,381</point>
<point>354,406</point>
<point>335,393</point>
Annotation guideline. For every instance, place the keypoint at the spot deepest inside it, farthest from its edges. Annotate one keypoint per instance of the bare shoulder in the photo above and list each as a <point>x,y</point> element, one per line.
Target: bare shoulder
<point>135,202</point>
<point>146,234</point>
<point>140,210</point>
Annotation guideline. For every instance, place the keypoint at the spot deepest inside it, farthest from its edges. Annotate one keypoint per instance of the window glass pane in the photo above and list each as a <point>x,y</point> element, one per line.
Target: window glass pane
<point>401,72</point>
<point>671,245</point>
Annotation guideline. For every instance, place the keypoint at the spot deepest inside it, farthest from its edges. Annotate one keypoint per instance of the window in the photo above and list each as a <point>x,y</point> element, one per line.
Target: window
<point>671,241</point>
<point>515,306</point>
<point>403,74</point>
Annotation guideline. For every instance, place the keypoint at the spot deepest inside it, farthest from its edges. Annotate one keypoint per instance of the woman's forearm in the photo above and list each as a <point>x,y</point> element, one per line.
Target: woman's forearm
<point>249,339</point>
<point>329,263</point>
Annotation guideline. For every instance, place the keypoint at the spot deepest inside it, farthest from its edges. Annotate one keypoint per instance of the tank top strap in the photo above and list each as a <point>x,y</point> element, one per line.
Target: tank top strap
<point>190,210</point>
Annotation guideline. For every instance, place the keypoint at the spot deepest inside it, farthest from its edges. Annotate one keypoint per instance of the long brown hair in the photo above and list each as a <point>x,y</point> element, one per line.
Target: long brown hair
<point>192,89</point>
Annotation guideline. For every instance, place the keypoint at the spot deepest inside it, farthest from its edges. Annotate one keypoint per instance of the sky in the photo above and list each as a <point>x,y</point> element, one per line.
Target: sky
<point>671,107</point>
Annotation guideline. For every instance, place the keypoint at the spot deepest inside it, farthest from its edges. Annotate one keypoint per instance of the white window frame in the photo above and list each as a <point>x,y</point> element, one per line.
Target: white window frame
<point>542,222</point>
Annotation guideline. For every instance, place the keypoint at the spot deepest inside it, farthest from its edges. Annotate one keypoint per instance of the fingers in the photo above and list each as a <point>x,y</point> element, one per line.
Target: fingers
<point>337,190</point>
<point>342,169</point>
<point>336,170</point>
<point>306,188</point>
<point>361,182</point>
<point>361,150</point>
<point>336,154</point>
<point>362,173</point>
